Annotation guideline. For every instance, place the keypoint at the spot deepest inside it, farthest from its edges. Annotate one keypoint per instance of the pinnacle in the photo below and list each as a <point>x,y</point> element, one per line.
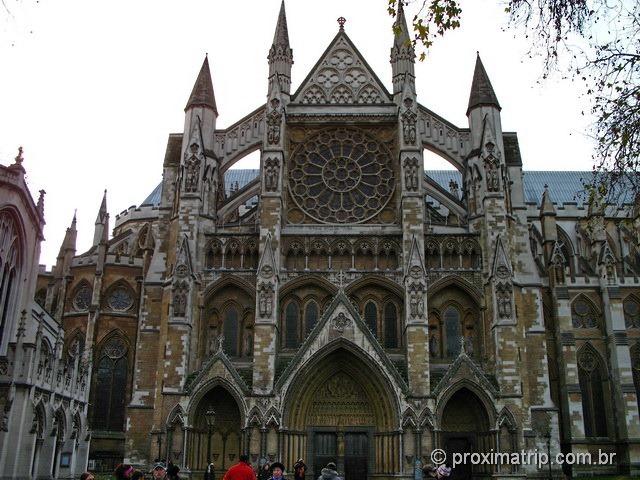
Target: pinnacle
<point>281,36</point>
<point>103,208</point>
<point>482,93</point>
<point>546,205</point>
<point>400,27</point>
<point>202,94</point>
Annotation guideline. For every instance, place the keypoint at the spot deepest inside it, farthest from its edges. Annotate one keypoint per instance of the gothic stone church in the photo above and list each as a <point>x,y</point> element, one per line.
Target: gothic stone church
<point>342,303</point>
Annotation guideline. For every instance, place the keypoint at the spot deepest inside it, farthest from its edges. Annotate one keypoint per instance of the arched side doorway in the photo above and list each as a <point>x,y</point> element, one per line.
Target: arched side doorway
<point>466,427</point>
<point>221,443</point>
<point>341,409</point>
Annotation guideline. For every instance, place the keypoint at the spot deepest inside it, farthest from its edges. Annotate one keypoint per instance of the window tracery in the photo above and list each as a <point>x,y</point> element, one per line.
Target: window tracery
<point>341,176</point>
<point>583,314</point>
<point>120,298</point>
<point>82,298</point>
<point>111,385</point>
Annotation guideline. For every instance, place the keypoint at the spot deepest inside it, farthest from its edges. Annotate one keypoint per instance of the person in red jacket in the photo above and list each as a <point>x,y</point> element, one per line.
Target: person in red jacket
<point>241,470</point>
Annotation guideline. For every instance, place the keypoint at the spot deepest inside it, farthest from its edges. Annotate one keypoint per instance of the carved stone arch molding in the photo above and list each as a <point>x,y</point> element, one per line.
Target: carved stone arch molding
<point>176,416</point>
<point>342,372</point>
<point>255,418</point>
<point>228,385</point>
<point>486,398</point>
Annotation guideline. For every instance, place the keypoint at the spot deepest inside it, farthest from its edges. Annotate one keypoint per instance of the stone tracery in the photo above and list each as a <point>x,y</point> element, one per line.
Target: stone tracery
<point>341,176</point>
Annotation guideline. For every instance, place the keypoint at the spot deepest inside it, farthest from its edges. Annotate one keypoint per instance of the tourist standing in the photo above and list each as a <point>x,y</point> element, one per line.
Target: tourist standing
<point>241,470</point>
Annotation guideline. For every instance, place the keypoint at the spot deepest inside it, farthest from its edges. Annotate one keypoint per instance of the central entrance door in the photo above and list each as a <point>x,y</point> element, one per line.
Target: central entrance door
<point>356,452</point>
<point>325,448</point>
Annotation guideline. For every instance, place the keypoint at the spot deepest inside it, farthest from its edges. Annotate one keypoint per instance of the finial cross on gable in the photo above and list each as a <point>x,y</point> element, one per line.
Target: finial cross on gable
<point>341,279</point>
<point>341,22</point>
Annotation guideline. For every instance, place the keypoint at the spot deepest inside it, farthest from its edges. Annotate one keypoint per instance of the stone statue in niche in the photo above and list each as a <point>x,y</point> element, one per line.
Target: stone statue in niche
<point>271,174</point>
<point>274,119</point>
<point>265,300</point>
<point>416,300</point>
<point>192,169</point>
<point>503,300</point>
<point>411,176</point>
<point>180,300</point>
<point>491,173</point>
<point>409,119</point>
<point>434,345</point>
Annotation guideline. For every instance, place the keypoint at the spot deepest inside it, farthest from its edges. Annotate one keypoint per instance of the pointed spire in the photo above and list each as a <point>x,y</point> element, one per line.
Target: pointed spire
<point>482,93</point>
<point>280,54</point>
<point>546,205</point>
<point>69,242</point>
<point>202,94</point>
<point>101,231</point>
<point>103,208</point>
<point>281,36</point>
<point>400,28</point>
<point>402,53</point>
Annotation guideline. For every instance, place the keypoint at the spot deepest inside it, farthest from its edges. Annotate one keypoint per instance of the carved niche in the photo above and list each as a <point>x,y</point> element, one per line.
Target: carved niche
<point>271,174</point>
<point>409,118</point>
<point>411,174</point>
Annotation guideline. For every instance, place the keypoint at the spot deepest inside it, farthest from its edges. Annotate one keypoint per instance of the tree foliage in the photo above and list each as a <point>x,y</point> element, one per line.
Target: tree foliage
<point>598,42</point>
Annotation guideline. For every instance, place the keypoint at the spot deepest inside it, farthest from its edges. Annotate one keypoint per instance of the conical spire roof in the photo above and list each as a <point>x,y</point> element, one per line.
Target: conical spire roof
<point>482,93</point>
<point>281,36</point>
<point>400,27</point>
<point>202,94</point>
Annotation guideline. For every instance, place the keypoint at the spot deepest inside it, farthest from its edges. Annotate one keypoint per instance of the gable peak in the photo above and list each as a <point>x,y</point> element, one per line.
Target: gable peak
<point>341,76</point>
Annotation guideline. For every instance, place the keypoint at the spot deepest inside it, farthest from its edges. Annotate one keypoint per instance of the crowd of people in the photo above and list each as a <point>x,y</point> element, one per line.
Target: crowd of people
<point>240,471</point>
<point>244,471</point>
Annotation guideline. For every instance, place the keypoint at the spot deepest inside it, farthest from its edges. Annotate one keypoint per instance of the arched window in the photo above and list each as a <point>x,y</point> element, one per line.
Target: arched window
<point>583,314</point>
<point>631,312</point>
<point>230,332</point>
<point>8,268</point>
<point>311,316</point>
<point>591,378</point>
<point>452,331</point>
<point>291,325</point>
<point>371,317</point>
<point>390,326</point>
<point>111,386</point>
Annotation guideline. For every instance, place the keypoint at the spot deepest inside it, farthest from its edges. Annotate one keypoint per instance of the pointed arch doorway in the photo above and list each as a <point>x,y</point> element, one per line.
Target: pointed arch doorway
<point>340,409</point>
<point>220,444</point>
<point>466,428</point>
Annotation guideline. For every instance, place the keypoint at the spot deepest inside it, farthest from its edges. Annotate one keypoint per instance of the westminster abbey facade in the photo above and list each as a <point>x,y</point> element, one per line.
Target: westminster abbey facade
<point>343,302</point>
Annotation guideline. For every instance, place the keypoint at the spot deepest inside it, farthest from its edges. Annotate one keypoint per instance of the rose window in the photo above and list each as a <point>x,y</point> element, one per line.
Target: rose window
<point>341,176</point>
<point>82,298</point>
<point>120,299</point>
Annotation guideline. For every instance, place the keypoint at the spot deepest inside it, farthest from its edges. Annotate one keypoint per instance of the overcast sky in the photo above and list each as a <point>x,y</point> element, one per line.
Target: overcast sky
<point>91,89</point>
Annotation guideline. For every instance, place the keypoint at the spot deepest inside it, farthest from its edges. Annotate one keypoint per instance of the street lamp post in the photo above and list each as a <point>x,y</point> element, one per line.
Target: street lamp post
<point>210,417</point>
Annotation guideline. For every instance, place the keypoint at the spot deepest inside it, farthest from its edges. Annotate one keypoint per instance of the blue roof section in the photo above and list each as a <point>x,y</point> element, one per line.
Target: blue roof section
<point>238,178</point>
<point>564,187</point>
<point>154,197</point>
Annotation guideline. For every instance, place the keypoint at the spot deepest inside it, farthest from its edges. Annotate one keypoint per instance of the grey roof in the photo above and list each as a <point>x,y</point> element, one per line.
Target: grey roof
<point>564,187</point>
<point>240,175</point>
